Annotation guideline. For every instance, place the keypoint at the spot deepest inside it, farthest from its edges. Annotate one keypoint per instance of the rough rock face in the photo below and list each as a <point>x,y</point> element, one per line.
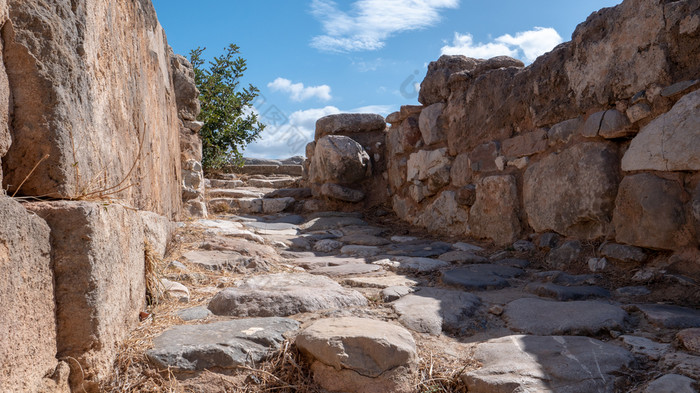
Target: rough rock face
<point>434,87</point>
<point>495,212</point>
<point>28,320</point>
<point>339,159</point>
<point>649,212</point>
<point>573,193</point>
<point>99,103</point>
<point>671,142</point>
<point>97,253</point>
<point>349,123</point>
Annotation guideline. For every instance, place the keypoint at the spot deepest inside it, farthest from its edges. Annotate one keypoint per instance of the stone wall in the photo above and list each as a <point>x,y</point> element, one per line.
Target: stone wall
<point>597,140</point>
<point>92,88</point>
<point>92,111</point>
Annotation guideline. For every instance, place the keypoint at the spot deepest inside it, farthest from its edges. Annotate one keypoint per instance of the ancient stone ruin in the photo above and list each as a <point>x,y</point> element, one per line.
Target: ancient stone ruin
<point>523,229</point>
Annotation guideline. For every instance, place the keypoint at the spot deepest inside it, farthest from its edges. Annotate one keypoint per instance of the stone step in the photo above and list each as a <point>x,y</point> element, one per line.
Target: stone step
<point>272,182</point>
<point>234,193</point>
<point>225,184</point>
<point>251,205</point>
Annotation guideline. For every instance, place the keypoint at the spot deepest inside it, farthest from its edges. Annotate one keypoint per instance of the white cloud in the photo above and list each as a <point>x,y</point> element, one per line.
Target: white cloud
<point>526,45</point>
<point>290,139</point>
<point>299,92</point>
<point>370,22</point>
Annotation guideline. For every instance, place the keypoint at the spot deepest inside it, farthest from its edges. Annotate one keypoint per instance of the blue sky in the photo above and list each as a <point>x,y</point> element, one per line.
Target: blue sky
<point>311,58</point>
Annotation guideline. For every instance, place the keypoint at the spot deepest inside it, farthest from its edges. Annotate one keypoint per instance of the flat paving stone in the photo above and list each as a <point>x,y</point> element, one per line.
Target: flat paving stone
<point>481,276</point>
<point>220,345</point>
<point>346,270</point>
<point>514,262</point>
<point>273,227</point>
<point>364,240</point>
<point>313,261</point>
<point>380,282</point>
<point>547,317</point>
<point>521,363</point>
<point>430,310</point>
<point>672,383</point>
<point>564,293</point>
<point>228,228</point>
<point>461,246</point>
<point>391,294</point>
<point>644,346</point>
<point>360,251</point>
<point>559,277</point>
<point>217,260</point>
<point>462,257</point>
<point>194,313</point>
<point>420,250</point>
<point>671,317</point>
<point>283,294</point>
<point>414,264</point>
<point>332,222</point>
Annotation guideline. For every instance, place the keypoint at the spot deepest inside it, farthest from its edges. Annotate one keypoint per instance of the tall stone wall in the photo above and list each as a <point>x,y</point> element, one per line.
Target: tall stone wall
<point>598,139</point>
<point>91,112</point>
<point>92,91</point>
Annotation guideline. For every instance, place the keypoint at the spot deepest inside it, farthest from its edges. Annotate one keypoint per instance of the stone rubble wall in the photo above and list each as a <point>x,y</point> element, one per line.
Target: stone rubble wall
<point>597,140</point>
<point>94,104</point>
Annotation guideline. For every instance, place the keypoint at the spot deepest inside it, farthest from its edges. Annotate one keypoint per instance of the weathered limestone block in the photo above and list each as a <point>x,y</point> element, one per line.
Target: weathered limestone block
<point>434,87</point>
<point>461,173</point>
<point>483,157</point>
<point>186,93</point>
<point>573,193</point>
<point>339,159</point>
<point>157,231</point>
<point>526,144</point>
<point>649,212</point>
<point>444,215</point>
<point>28,319</point>
<point>427,163</point>
<point>494,214</point>
<point>432,124</point>
<point>98,258</point>
<point>608,124</point>
<point>5,137</point>
<point>671,142</point>
<point>349,123</point>
<point>563,131</point>
<point>403,138</point>
<point>96,95</point>
<point>360,355</point>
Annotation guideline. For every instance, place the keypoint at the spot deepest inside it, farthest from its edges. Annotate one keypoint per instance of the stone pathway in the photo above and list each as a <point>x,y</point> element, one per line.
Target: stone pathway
<point>368,306</point>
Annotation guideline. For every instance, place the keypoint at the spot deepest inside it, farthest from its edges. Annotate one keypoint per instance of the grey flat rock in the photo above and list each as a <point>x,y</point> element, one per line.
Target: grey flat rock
<point>391,294</point>
<point>419,250</point>
<point>430,310</point>
<point>546,364</point>
<point>194,313</point>
<point>546,317</point>
<point>217,260</point>
<point>672,383</point>
<point>559,277</point>
<point>462,257</point>
<point>346,270</point>
<point>481,276</point>
<point>364,240</point>
<point>644,346</point>
<point>360,251</point>
<point>332,222</point>
<point>414,264</point>
<point>672,317</point>
<point>284,294</point>
<point>564,293</point>
<point>380,282</point>
<point>220,345</point>
<point>514,262</point>
<point>313,261</point>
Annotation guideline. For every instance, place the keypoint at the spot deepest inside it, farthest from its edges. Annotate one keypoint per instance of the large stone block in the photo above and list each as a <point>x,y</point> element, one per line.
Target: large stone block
<point>443,215</point>
<point>339,159</point>
<point>349,123</point>
<point>494,215</point>
<point>649,212</point>
<point>92,88</point>
<point>28,319</point>
<point>427,163</point>
<point>671,142</point>
<point>98,258</point>
<point>432,124</point>
<point>434,87</point>
<point>573,193</point>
